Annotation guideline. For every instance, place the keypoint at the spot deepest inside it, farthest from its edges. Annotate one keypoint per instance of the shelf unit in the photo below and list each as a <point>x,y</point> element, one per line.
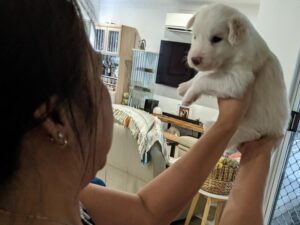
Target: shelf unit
<point>143,76</point>
<point>110,82</point>
<point>114,40</point>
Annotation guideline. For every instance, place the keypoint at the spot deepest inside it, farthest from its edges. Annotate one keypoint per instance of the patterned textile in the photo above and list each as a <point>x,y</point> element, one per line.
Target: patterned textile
<point>144,127</point>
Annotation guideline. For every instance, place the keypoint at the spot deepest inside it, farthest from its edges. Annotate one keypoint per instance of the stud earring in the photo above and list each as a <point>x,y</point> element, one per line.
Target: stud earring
<point>65,141</point>
<point>61,136</point>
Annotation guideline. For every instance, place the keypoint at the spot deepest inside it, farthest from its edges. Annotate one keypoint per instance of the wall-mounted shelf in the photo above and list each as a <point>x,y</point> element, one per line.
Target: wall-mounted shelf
<point>139,88</point>
<point>148,70</point>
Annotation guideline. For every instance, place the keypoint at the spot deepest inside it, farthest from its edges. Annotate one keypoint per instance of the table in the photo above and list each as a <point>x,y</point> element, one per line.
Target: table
<point>210,198</point>
<point>181,123</point>
<point>173,139</point>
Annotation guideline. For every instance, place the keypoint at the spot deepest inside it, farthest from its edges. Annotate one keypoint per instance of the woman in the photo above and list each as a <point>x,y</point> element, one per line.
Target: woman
<point>57,129</point>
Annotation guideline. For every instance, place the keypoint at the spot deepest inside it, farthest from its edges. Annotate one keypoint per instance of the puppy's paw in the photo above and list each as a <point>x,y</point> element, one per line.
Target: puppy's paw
<point>182,88</point>
<point>188,101</point>
<point>190,97</point>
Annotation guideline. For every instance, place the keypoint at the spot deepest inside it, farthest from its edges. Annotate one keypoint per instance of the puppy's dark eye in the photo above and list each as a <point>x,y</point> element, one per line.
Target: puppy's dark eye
<point>194,36</point>
<point>215,39</point>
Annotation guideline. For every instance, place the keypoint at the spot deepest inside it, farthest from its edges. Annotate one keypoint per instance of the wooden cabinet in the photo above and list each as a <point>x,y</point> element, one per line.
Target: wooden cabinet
<point>108,38</point>
<point>117,41</point>
<point>100,38</point>
<point>113,40</point>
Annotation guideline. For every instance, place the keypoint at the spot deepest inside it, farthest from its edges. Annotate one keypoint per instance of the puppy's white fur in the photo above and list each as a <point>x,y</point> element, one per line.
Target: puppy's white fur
<point>230,65</point>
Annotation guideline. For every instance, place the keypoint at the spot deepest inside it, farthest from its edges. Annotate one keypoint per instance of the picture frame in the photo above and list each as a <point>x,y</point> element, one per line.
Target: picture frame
<point>184,111</point>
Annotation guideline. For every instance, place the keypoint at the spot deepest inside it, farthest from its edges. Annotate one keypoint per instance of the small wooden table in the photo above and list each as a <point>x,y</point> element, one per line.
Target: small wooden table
<point>173,139</point>
<point>181,123</point>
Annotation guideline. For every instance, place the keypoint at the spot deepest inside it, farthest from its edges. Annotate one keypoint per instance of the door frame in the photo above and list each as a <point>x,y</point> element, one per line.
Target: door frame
<point>280,158</point>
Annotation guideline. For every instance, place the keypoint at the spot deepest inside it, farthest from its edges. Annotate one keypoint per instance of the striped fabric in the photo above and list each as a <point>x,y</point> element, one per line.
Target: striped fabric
<point>144,127</point>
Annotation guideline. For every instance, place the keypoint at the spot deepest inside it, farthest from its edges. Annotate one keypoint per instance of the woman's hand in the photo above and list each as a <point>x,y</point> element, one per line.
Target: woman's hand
<point>245,203</point>
<point>259,148</point>
<point>232,110</point>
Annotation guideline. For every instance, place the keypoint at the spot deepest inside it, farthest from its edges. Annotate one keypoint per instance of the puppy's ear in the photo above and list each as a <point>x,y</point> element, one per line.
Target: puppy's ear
<point>237,30</point>
<point>191,22</point>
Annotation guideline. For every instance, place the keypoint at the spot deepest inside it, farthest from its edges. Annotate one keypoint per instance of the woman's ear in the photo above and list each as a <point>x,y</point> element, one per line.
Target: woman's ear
<point>237,30</point>
<point>53,125</point>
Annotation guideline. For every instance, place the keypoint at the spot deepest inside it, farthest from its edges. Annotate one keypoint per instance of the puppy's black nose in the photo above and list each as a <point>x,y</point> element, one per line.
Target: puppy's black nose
<point>196,60</point>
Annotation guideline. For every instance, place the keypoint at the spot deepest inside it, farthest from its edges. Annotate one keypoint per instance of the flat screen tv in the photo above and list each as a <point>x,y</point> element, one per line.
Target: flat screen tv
<point>172,64</point>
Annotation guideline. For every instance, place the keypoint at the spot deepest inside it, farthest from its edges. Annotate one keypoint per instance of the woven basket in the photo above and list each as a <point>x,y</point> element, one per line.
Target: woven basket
<point>220,180</point>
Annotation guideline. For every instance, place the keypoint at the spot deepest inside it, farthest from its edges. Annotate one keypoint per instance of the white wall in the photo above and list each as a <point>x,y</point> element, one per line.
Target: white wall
<point>197,111</point>
<point>279,23</point>
<point>148,16</point>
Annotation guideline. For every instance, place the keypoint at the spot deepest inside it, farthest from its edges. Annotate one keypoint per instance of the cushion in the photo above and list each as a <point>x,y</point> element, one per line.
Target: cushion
<point>187,141</point>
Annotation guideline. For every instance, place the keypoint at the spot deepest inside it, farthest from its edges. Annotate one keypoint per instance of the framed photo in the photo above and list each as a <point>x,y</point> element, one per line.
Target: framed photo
<point>184,111</point>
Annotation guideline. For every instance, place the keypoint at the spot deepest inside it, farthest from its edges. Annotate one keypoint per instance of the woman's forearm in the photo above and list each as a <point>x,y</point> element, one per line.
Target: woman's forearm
<point>245,202</point>
<point>165,196</point>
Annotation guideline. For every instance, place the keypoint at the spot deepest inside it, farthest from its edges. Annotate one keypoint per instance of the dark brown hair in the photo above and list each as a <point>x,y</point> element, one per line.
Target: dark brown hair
<point>43,52</point>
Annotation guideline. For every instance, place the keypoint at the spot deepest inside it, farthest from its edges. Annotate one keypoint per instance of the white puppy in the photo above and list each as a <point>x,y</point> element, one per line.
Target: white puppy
<point>229,55</point>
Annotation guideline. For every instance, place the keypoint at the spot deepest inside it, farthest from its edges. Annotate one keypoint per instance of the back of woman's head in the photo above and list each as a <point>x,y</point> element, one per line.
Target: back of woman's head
<point>43,53</point>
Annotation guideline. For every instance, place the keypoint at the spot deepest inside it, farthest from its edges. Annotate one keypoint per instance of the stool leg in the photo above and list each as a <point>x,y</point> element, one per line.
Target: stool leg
<point>218,212</point>
<point>192,209</point>
<point>206,211</point>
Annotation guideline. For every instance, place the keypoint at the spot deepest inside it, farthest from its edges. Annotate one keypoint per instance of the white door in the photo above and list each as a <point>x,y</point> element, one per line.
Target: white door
<point>282,205</point>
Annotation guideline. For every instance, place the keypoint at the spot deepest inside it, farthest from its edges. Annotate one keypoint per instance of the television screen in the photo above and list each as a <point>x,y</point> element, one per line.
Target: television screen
<point>172,64</point>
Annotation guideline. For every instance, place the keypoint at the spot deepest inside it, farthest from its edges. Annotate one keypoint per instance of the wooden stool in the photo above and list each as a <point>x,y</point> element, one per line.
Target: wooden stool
<point>210,198</point>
